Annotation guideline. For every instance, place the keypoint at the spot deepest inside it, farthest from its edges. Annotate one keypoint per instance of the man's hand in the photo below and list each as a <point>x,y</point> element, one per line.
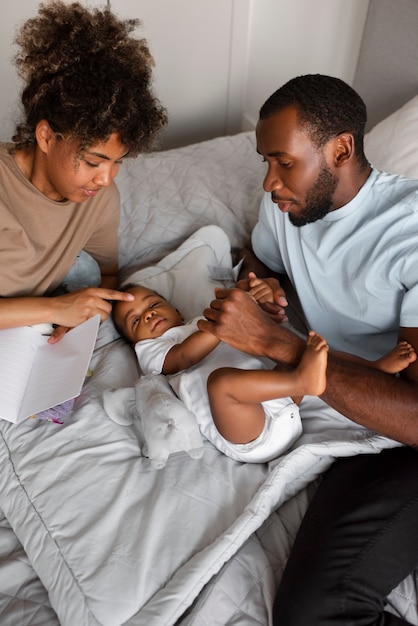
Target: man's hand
<point>235,317</point>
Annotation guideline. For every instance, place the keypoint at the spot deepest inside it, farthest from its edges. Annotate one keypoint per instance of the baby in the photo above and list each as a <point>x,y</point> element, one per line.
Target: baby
<point>244,405</point>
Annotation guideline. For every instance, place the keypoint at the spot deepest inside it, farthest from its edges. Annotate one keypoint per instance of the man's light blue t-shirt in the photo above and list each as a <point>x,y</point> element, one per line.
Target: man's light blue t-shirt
<point>355,270</point>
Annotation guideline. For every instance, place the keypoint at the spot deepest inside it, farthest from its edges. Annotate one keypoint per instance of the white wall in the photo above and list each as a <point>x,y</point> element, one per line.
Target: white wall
<point>12,14</point>
<point>292,37</point>
<point>217,60</point>
<point>195,44</point>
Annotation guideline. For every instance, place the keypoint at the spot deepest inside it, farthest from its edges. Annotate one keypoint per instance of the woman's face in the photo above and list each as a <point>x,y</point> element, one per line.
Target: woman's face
<point>62,174</point>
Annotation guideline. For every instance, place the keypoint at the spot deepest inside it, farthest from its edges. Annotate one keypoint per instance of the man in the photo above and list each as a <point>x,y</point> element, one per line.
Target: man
<point>345,234</point>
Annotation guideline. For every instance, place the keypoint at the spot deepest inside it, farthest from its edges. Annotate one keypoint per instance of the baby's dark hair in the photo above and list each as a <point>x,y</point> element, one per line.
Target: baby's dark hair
<point>326,106</point>
<point>129,286</point>
<point>88,77</point>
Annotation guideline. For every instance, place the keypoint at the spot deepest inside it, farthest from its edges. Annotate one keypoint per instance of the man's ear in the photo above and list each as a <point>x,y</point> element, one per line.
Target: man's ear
<point>343,149</point>
<point>44,135</point>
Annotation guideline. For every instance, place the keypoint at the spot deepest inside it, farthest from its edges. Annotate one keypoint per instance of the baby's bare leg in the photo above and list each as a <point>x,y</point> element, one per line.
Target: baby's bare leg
<point>237,413</point>
<point>235,395</point>
<point>397,359</point>
<point>312,368</point>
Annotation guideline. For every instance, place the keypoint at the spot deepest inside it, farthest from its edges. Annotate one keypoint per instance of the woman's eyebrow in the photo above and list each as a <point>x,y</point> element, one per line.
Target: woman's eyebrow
<point>105,156</point>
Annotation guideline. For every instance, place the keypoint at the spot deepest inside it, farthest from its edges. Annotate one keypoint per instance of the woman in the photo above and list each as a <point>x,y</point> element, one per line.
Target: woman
<point>87,105</point>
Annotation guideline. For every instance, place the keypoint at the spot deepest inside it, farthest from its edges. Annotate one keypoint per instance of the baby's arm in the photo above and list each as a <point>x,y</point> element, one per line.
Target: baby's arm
<point>189,352</point>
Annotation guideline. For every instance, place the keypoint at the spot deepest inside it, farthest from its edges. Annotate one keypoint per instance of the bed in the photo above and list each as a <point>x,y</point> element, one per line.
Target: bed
<point>95,532</point>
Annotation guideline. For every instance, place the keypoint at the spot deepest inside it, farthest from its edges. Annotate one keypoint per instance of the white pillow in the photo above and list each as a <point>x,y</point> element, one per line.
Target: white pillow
<point>187,277</point>
<point>392,144</point>
<point>166,196</point>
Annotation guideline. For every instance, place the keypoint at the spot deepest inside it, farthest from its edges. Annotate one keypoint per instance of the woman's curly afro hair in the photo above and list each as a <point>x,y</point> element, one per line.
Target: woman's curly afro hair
<point>88,77</point>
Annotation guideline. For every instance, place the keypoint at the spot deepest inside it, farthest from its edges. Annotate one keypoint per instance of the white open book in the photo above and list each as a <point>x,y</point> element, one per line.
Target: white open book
<point>36,375</point>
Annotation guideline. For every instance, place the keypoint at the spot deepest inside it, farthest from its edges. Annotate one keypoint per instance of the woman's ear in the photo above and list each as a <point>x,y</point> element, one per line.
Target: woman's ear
<point>44,134</point>
<point>344,149</point>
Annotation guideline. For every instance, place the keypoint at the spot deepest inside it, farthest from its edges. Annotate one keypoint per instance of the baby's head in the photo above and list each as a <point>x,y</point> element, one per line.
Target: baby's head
<point>146,317</point>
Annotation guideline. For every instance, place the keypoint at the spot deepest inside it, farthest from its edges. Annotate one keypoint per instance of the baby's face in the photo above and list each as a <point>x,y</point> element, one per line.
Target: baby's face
<point>146,317</point>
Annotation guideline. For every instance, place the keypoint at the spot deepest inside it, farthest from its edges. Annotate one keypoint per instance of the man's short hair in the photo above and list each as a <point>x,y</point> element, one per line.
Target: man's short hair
<point>327,107</point>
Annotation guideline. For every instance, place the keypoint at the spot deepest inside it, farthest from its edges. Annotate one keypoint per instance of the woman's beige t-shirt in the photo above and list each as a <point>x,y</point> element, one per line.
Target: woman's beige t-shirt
<point>40,238</point>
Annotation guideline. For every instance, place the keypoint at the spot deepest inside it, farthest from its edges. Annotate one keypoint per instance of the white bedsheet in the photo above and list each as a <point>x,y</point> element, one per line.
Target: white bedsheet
<point>116,541</point>
<point>92,533</point>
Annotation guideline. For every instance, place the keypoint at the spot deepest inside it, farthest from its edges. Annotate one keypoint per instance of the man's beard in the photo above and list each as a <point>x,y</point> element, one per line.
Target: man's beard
<point>319,198</point>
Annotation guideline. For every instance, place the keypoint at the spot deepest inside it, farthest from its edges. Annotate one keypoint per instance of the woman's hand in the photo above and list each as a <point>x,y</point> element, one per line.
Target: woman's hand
<point>71,309</point>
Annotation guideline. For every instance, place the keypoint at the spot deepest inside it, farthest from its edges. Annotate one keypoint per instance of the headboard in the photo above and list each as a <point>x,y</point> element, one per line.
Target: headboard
<point>387,71</point>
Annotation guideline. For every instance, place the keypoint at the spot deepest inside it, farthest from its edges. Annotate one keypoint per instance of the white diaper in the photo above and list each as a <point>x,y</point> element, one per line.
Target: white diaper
<point>281,429</point>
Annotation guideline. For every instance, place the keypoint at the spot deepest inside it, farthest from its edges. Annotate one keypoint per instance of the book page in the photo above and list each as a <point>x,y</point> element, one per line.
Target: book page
<point>17,351</point>
<point>59,369</point>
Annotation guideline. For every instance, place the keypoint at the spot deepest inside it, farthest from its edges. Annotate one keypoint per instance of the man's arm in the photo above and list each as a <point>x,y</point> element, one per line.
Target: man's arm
<point>376,400</point>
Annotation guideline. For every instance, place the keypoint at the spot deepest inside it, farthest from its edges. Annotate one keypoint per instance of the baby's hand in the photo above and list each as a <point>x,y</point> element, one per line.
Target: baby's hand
<point>268,293</point>
<point>260,289</point>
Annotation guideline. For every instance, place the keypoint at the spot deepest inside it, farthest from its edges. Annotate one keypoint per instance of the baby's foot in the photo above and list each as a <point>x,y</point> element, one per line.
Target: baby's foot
<point>313,365</point>
<point>397,359</point>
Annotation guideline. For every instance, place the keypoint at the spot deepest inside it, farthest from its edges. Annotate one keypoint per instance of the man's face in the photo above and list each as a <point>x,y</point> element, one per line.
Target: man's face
<point>298,177</point>
<point>147,317</point>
